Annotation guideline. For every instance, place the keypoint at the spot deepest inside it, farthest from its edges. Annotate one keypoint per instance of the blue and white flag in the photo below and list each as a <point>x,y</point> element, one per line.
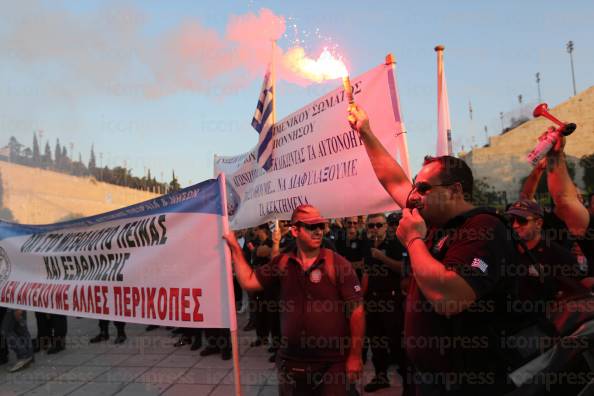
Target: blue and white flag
<point>161,261</point>
<point>263,121</point>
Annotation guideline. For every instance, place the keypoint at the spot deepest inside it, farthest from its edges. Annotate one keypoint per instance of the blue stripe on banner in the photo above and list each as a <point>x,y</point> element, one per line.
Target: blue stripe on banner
<point>204,197</point>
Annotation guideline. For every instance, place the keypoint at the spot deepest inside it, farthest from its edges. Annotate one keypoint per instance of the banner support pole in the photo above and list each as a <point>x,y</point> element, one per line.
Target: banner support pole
<point>390,60</point>
<point>230,290</point>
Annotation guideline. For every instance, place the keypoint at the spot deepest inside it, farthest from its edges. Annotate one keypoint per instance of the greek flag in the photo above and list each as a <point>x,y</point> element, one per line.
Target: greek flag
<point>263,122</point>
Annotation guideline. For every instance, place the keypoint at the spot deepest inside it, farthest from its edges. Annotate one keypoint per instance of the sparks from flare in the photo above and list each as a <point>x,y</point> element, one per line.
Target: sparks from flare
<point>326,67</point>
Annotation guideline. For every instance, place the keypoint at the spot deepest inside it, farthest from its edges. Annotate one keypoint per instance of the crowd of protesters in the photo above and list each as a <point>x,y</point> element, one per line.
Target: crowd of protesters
<point>436,290</point>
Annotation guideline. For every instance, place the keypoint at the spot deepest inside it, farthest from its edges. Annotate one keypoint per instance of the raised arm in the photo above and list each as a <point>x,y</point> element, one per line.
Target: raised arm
<point>564,193</point>
<point>245,275</point>
<point>531,184</point>
<point>387,170</point>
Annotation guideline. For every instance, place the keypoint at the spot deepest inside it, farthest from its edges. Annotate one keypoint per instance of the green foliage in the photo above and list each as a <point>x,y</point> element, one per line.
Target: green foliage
<point>6,214</point>
<point>23,155</point>
<point>485,195</point>
<point>587,163</point>
<point>174,184</point>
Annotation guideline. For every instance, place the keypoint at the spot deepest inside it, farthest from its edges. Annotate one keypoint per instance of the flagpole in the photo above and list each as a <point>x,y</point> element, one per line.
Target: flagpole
<point>401,139</point>
<point>230,290</point>
<point>444,143</point>
<point>273,77</point>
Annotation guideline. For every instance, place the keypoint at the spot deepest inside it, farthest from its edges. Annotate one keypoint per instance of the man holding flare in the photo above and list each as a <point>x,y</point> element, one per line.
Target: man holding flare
<point>459,254</point>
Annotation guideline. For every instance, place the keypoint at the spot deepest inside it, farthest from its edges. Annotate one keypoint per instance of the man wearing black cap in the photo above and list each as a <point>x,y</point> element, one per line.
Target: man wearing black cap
<point>323,324</point>
<point>551,268</point>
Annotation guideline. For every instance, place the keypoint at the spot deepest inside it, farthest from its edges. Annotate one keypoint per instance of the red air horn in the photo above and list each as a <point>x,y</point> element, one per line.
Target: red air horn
<point>549,138</point>
<point>542,110</point>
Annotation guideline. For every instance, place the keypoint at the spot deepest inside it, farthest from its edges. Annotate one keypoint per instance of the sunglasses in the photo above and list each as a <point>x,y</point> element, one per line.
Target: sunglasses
<point>375,225</point>
<point>313,227</point>
<point>520,220</point>
<point>352,223</point>
<point>424,187</point>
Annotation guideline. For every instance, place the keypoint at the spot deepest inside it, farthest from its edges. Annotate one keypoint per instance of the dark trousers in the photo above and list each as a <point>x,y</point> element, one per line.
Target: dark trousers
<point>104,327</point>
<point>275,329</point>
<point>218,338</point>
<point>332,381</point>
<point>51,329</point>
<point>268,317</point>
<point>384,324</point>
<point>261,316</point>
<point>193,333</point>
<point>3,345</point>
<point>238,292</point>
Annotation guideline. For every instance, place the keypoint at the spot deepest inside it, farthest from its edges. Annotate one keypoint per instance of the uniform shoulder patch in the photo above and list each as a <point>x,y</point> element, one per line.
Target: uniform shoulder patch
<point>480,264</point>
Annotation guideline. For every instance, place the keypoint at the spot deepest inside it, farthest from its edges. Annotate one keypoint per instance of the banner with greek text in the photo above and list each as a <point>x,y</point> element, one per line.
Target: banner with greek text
<point>157,262</point>
<point>318,159</point>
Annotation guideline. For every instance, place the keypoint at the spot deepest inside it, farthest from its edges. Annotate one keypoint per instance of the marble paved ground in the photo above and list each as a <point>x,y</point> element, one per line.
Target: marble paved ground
<point>147,364</point>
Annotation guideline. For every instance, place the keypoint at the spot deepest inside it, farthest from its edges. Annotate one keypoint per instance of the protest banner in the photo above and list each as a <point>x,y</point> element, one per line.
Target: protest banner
<point>318,159</point>
<point>157,262</point>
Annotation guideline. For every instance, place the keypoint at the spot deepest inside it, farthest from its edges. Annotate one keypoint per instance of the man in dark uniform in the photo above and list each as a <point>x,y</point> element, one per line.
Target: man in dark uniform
<point>457,297</point>
<point>349,244</point>
<point>383,303</point>
<point>555,271</point>
<point>265,300</point>
<point>324,323</point>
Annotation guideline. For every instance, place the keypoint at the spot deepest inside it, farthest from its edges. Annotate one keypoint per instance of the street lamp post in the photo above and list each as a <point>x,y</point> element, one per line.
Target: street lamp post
<point>570,51</point>
<point>538,85</point>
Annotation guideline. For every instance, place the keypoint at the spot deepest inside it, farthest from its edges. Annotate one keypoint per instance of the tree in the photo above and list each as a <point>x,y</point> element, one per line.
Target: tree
<point>65,161</point>
<point>174,184</point>
<point>5,213</point>
<point>58,154</point>
<point>484,194</point>
<point>36,151</point>
<point>14,148</point>
<point>587,163</point>
<point>46,160</point>
<point>92,160</point>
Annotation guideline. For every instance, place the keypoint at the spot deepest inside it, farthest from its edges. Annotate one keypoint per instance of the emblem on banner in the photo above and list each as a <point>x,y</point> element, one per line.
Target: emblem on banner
<point>4,266</point>
<point>315,276</point>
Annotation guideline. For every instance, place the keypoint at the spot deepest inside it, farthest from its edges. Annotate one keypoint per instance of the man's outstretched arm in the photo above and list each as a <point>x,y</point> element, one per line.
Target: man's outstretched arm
<point>387,170</point>
<point>564,193</point>
<point>530,186</point>
<point>245,275</point>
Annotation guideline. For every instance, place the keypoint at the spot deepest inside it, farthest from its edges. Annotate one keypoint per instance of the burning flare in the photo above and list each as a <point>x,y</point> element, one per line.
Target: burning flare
<point>326,67</point>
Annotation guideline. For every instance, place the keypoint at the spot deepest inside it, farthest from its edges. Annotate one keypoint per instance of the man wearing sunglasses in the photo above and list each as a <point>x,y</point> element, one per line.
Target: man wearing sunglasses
<point>323,326</point>
<point>349,244</point>
<point>554,267</point>
<point>383,300</point>
<point>458,254</point>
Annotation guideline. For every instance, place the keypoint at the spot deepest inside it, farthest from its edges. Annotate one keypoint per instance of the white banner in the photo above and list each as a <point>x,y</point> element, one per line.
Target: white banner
<point>318,159</point>
<point>158,262</point>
